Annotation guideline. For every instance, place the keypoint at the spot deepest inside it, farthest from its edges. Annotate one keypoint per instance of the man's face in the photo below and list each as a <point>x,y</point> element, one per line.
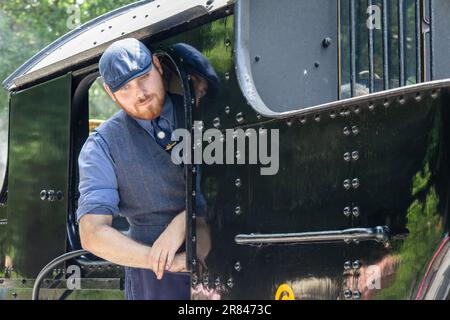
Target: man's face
<point>143,97</point>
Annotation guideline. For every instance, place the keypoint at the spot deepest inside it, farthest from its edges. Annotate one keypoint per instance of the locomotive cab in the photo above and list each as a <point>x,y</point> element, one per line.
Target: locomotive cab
<point>357,93</point>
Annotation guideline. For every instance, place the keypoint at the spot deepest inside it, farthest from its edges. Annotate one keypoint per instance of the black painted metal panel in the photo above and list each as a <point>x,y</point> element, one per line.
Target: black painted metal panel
<point>39,149</point>
<point>289,50</point>
<point>440,43</point>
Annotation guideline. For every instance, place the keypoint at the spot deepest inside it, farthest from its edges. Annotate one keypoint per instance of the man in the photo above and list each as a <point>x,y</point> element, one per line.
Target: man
<point>125,168</point>
<point>204,77</point>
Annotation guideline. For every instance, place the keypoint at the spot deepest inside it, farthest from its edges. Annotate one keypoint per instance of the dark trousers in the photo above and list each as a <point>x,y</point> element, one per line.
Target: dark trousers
<point>142,284</point>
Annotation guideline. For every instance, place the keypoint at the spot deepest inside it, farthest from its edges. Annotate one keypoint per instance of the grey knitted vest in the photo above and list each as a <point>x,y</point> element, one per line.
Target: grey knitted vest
<point>151,187</point>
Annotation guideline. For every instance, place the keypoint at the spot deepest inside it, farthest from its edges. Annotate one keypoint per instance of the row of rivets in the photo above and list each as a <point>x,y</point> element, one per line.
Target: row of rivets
<point>349,211</point>
<point>350,240</point>
<point>349,156</point>
<point>351,183</point>
<point>349,294</point>
<point>349,130</point>
<point>51,195</point>
<point>352,265</point>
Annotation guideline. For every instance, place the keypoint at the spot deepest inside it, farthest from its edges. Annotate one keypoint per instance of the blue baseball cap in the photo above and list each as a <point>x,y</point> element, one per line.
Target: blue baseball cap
<point>123,61</point>
<point>197,63</point>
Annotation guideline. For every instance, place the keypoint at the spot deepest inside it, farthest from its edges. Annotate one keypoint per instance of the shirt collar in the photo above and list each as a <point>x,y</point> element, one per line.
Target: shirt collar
<point>167,113</point>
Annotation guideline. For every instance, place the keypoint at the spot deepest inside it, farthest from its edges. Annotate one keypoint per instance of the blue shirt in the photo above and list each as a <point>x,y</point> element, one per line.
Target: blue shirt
<point>98,184</point>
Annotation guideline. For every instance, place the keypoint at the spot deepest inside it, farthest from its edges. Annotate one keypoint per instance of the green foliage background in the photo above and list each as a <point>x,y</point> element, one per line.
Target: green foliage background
<point>27,26</point>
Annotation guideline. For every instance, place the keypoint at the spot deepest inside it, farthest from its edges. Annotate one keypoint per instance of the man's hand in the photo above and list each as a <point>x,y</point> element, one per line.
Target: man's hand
<point>179,263</point>
<point>163,250</point>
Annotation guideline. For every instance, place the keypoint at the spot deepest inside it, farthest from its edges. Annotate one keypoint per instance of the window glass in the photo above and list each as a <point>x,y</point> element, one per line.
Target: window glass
<point>4,120</point>
<point>101,106</point>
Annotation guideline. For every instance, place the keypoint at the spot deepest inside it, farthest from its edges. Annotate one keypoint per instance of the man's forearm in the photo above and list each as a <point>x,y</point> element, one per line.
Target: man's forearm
<point>109,244</point>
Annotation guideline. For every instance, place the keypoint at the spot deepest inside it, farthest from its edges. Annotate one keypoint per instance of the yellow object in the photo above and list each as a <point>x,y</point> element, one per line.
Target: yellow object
<point>284,292</point>
<point>94,123</point>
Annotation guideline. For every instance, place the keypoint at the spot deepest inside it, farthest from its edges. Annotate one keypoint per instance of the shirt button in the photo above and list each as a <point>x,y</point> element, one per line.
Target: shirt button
<point>161,135</point>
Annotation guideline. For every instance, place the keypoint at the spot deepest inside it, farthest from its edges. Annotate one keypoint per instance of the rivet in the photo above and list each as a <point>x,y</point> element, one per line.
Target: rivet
<point>238,210</point>
<point>347,157</point>
<point>227,110</point>
<point>194,170</point>
<point>227,76</point>
<point>216,122</point>
<point>230,283</point>
<point>194,280</point>
<point>371,106</point>
<point>240,117</point>
<point>326,42</point>
<point>227,43</point>
<point>194,262</point>
<point>355,130</point>
<point>238,183</point>
<point>356,295</point>
<point>257,58</point>
<point>289,122</point>
<point>194,239</point>
<point>317,117</point>
<point>346,131</point>
<point>355,155</point>
<point>217,282</point>
<point>303,120</point>
<point>205,281</point>
<point>348,294</point>
<point>258,116</point>
<point>316,64</point>
<point>347,211</point>
<point>401,100</point>
<point>386,103</point>
<point>333,114</point>
<point>434,93</point>
<point>355,183</point>
<point>348,240</point>
<point>347,184</point>
<point>418,97</point>
<point>193,193</point>
<point>356,110</point>
<point>237,266</point>
<point>43,195</point>
<point>356,264</point>
<point>355,212</point>
<point>347,265</point>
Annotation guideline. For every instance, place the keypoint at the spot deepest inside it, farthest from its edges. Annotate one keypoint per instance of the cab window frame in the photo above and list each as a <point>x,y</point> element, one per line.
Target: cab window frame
<point>4,173</point>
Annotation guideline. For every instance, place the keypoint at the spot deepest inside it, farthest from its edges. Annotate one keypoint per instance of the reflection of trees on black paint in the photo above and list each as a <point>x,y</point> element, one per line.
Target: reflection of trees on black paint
<point>424,220</point>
